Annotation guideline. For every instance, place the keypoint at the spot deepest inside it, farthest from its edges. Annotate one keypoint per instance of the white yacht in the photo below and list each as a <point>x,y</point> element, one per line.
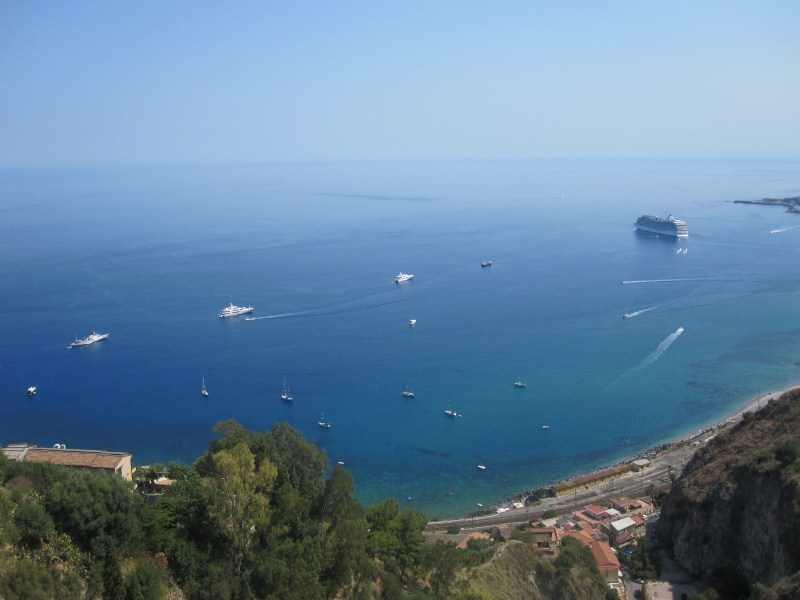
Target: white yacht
<point>407,392</point>
<point>323,423</point>
<point>519,383</point>
<point>203,390</point>
<point>412,322</point>
<point>545,426</point>
<point>482,467</point>
<point>31,390</point>
<point>451,413</point>
<point>89,339</point>
<point>234,311</point>
<point>285,395</point>
<point>401,277</point>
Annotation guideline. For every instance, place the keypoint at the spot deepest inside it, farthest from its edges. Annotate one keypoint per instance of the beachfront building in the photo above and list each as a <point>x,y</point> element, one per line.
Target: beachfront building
<point>640,465</point>
<point>114,463</point>
<point>580,483</point>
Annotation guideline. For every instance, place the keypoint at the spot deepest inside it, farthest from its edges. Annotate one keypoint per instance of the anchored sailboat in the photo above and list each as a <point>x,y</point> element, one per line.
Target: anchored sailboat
<point>285,395</point>
<point>203,390</point>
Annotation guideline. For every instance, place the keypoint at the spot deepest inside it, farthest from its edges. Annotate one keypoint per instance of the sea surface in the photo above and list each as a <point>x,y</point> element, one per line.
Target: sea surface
<point>151,255</point>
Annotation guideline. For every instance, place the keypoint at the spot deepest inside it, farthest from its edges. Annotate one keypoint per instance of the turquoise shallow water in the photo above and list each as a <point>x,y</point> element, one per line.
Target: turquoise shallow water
<point>151,256</point>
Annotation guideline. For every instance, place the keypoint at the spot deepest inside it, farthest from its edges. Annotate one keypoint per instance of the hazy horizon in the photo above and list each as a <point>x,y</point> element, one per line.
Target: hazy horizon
<point>88,84</point>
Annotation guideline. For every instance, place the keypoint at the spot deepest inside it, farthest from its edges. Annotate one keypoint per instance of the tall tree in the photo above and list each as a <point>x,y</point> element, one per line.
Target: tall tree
<point>239,502</point>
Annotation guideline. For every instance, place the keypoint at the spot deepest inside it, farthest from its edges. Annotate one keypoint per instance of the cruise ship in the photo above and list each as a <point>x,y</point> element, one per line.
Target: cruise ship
<point>89,339</point>
<point>669,226</point>
<point>403,277</point>
<point>234,311</point>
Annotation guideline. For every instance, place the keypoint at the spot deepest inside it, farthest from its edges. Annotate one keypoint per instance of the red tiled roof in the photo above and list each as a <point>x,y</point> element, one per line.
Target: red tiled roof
<point>604,557</point>
<point>76,458</point>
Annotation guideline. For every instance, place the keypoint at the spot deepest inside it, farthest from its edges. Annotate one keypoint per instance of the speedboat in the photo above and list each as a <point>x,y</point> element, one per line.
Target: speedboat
<point>401,277</point>
<point>451,413</point>
<point>412,322</point>
<point>234,311</point>
<point>482,467</point>
<point>545,426</point>
<point>31,390</point>
<point>627,316</point>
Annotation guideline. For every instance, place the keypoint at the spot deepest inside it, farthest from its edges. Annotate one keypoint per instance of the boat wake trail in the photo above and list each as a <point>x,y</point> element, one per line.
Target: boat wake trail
<point>662,347</point>
<point>664,280</point>
<point>333,310</point>
<point>630,376</point>
<point>785,229</point>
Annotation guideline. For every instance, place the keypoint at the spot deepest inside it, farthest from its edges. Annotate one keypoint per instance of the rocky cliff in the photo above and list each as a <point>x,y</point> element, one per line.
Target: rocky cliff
<point>733,517</point>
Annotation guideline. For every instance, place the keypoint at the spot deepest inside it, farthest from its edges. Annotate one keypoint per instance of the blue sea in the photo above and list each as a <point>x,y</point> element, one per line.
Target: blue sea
<point>151,255</point>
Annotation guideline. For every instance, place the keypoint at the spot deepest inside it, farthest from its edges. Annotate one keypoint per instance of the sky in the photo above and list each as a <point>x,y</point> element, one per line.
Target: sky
<point>153,82</point>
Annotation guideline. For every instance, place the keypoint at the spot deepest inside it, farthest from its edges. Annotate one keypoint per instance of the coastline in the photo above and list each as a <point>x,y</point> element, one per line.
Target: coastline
<point>674,451</point>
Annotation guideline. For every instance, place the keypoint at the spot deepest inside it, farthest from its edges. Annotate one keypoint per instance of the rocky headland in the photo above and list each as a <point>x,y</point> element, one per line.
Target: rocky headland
<point>732,518</point>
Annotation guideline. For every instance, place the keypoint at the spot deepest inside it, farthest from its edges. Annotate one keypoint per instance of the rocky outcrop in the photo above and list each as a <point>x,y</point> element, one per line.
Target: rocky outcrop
<point>733,517</point>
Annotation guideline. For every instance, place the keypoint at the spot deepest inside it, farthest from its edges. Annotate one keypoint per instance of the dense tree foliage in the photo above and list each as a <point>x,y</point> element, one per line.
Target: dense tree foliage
<point>259,515</point>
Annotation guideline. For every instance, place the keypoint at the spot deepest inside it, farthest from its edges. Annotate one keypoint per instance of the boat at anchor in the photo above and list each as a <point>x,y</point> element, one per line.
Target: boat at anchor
<point>89,339</point>
<point>285,395</point>
<point>401,277</point>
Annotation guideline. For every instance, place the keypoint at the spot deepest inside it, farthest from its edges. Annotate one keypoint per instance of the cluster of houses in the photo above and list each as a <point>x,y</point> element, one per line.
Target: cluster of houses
<point>605,530</point>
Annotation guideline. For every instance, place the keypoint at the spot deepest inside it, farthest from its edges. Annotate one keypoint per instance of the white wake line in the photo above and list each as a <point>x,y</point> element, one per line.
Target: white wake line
<point>785,229</point>
<point>664,280</point>
<point>662,347</point>
<point>636,313</point>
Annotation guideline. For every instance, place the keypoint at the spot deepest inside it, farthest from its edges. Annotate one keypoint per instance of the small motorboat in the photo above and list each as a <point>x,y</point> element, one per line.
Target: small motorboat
<point>323,423</point>
<point>32,390</point>
<point>519,383</point>
<point>412,322</point>
<point>482,467</point>
<point>486,263</point>
<point>545,426</point>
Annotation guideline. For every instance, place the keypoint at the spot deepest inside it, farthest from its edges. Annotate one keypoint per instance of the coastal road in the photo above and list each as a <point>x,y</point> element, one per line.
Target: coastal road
<point>633,486</point>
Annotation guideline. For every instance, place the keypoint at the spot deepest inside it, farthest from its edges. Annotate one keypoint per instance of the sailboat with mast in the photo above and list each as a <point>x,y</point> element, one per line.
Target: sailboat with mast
<point>323,422</point>
<point>285,395</point>
<point>203,390</point>
<point>407,393</point>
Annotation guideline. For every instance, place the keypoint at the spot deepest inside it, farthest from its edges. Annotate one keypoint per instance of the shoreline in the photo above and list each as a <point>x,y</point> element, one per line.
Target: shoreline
<point>674,445</point>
